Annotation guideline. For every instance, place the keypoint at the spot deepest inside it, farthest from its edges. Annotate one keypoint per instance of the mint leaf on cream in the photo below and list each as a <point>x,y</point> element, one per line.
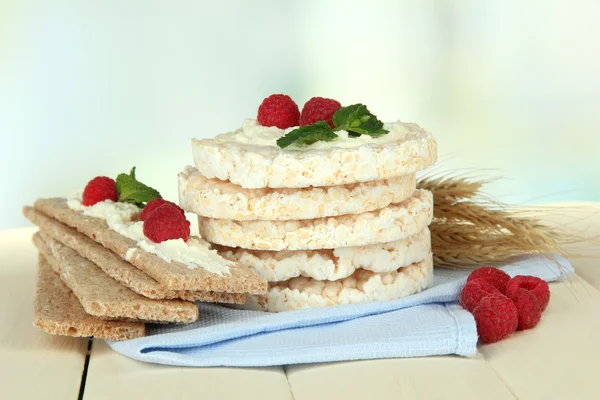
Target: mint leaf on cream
<point>358,120</point>
<point>307,135</point>
<point>355,119</point>
<point>133,191</point>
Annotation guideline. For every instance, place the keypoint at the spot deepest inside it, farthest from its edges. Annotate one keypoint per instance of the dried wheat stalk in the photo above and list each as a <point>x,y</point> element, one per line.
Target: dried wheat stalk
<point>469,229</point>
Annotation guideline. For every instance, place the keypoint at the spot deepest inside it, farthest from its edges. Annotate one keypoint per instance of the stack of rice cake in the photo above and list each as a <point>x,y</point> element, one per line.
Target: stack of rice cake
<point>331,223</point>
<point>92,281</point>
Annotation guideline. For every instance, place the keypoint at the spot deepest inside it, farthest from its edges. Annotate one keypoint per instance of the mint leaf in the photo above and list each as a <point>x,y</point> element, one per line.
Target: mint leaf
<point>307,135</point>
<point>133,191</point>
<point>341,116</point>
<point>358,120</point>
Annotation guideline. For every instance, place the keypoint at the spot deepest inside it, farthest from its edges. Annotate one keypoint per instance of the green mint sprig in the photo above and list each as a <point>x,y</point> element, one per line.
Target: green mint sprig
<point>307,135</point>
<point>356,119</point>
<point>133,191</point>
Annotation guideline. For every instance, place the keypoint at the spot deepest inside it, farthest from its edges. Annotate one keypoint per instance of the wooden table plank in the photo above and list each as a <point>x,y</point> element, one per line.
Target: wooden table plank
<point>113,376</point>
<point>31,360</point>
<point>555,360</point>
<point>412,378</point>
<point>559,358</point>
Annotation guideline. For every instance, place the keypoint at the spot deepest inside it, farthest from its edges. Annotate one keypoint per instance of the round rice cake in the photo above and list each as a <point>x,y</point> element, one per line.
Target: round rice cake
<point>395,222</point>
<point>250,157</point>
<point>361,287</point>
<point>335,264</point>
<point>221,199</point>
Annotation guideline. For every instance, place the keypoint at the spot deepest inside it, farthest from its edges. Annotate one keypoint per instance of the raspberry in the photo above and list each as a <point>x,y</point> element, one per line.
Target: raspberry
<point>319,109</point>
<point>528,308</point>
<point>99,189</point>
<point>496,317</point>
<point>492,276</point>
<point>153,205</point>
<point>278,110</point>
<point>535,285</point>
<point>166,223</point>
<point>474,292</point>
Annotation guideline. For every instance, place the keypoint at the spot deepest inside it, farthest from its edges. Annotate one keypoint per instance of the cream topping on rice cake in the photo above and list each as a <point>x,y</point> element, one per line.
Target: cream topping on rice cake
<point>253,133</point>
<point>333,264</point>
<point>250,157</point>
<point>120,217</point>
<point>362,286</point>
<point>395,222</point>
<point>221,199</point>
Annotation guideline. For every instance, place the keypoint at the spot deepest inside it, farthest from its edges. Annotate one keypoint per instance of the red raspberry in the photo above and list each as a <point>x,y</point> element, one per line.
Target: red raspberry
<point>496,317</point>
<point>528,308</point>
<point>474,292</point>
<point>99,189</point>
<point>166,223</point>
<point>153,205</point>
<point>492,276</point>
<point>278,110</point>
<point>319,109</point>
<point>535,285</point>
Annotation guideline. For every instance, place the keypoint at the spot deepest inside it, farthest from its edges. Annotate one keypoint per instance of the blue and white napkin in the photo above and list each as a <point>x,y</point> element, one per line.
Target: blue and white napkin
<point>426,324</point>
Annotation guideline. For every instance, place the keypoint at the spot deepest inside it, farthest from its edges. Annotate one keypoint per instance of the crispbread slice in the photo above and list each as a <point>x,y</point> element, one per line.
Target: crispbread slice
<point>103,297</point>
<point>173,275</point>
<point>57,311</point>
<point>116,267</point>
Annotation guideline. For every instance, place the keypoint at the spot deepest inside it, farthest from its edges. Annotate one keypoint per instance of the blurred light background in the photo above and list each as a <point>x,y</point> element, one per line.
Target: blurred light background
<point>93,87</point>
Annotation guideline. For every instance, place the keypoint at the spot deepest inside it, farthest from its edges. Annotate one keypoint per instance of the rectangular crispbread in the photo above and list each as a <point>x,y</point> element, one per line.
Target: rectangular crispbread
<point>102,296</point>
<point>174,275</point>
<point>57,311</point>
<point>116,267</point>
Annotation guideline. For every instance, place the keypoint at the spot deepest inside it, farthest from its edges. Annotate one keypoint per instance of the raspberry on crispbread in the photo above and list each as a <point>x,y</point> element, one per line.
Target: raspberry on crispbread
<point>173,275</point>
<point>117,268</point>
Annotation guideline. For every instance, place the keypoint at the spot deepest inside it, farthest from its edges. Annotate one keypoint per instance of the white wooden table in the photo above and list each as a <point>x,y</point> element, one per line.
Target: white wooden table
<point>559,359</point>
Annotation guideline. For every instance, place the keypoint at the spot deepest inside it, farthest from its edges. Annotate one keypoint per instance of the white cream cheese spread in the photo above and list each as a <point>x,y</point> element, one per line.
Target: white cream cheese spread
<point>252,133</point>
<point>121,217</point>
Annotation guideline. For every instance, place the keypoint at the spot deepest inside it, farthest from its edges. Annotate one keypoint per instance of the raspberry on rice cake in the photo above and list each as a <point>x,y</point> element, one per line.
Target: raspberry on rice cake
<point>250,157</point>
